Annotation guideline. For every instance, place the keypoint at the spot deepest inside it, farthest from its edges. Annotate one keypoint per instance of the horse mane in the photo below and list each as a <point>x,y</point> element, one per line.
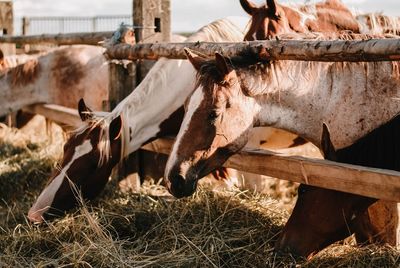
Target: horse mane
<point>379,23</point>
<point>102,120</point>
<point>220,30</point>
<point>249,60</point>
<point>342,35</point>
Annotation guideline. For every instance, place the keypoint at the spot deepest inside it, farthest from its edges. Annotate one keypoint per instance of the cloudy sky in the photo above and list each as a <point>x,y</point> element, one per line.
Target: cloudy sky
<point>187,15</point>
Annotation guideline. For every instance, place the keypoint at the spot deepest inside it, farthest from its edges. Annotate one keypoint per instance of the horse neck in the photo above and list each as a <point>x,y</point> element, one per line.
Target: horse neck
<point>162,92</point>
<point>166,87</point>
<point>351,98</point>
<point>288,101</point>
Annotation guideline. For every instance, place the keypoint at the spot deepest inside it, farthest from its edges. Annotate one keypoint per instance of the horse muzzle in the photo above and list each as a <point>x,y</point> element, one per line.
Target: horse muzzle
<point>180,187</point>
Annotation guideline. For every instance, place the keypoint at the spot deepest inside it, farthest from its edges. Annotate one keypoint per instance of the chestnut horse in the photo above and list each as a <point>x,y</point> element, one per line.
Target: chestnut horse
<point>152,110</point>
<point>234,95</point>
<point>378,149</point>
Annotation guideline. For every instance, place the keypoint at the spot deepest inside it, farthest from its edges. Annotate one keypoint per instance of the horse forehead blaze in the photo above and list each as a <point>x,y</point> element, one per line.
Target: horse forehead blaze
<point>46,198</point>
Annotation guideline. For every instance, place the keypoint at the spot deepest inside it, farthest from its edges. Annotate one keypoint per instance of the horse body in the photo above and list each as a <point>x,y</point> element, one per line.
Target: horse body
<point>380,222</point>
<point>62,76</point>
<point>143,115</point>
<point>351,98</point>
<point>346,96</point>
<point>377,149</point>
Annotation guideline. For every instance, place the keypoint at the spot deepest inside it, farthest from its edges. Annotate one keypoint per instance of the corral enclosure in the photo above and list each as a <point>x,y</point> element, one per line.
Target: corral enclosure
<point>148,228</point>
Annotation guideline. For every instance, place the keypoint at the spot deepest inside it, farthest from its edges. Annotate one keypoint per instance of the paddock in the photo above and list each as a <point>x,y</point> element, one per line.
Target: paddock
<point>215,227</point>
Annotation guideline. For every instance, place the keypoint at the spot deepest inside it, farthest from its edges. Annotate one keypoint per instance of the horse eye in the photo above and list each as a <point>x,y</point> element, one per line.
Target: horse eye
<point>213,115</point>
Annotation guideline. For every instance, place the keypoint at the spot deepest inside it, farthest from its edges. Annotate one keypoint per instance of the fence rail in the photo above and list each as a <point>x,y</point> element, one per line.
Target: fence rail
<point>58,39</point>
<point>55,25</point>
<point>306,50</point>
<point>372,182</point>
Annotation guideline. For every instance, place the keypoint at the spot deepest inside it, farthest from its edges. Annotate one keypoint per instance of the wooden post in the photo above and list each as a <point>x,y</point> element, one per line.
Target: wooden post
<point>25,26</point>
<point>6,25</point>
<point>7,28</point>
<point>155,17</point>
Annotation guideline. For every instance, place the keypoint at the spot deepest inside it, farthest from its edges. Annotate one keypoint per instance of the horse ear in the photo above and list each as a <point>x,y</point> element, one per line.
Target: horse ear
<point>326,144</point>
<point>248,6</point>
<point>115,128</point>
<point>195,59</point>
<point>222,64</point>
<point>84,112</point>
<point>272,6</point>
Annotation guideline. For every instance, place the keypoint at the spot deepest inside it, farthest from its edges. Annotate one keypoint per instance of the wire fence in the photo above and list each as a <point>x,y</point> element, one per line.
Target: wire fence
<point>55,25</point>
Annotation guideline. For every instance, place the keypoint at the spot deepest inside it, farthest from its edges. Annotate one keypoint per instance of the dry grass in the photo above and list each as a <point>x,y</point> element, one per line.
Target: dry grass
<point>210,229</point>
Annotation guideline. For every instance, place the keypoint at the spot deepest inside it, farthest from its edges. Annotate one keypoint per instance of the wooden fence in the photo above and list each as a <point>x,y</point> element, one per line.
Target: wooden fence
<point>304,50</point>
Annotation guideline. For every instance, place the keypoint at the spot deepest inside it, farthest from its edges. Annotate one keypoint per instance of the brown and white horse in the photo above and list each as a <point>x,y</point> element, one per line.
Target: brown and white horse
<point>60,76</point>
<point>381,222</point>
<point>272,19</point>
<point>151,110</point>
<point>234,95</point>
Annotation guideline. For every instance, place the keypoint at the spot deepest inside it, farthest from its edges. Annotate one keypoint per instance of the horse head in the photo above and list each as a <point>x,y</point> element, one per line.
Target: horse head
<point>216,125</point>
<point>89,156</point>
<point>267,21</point>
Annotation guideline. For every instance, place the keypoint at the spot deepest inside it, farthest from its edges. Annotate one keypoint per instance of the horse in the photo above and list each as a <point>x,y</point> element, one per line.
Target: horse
<point>273,19</point>
<point>266,22</point>
<point>59,76</point>
<point>378,149</point>
<point>233,95</point>
<point>154,109</point>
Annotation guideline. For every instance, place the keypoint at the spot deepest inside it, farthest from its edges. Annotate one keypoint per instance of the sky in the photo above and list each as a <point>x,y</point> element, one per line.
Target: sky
<point>187,15</point>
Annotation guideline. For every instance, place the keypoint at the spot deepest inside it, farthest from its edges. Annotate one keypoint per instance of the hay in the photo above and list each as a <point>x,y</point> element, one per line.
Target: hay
<point>209,229</point>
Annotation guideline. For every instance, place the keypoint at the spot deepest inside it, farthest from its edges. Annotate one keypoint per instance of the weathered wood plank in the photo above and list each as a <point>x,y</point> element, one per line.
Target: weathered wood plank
<point>303,50</point>
<point>58,39</point>
<point>372,182</point>
<point>56,113</point>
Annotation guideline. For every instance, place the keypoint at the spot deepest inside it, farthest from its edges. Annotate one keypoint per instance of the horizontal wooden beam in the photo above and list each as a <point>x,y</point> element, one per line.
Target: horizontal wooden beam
<point>302,50</point>
<point>372,182</point>
<point>57,113</point>
<point>59,39</point>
